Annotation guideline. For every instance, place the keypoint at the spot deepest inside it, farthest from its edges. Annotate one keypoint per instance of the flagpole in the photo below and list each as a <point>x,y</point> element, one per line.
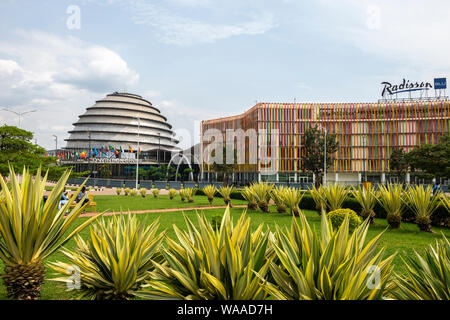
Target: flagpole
<point>137,156</point>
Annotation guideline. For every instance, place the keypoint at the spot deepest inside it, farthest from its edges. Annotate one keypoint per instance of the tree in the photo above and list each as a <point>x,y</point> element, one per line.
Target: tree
<point>186,173</point>
<point>105,170</point>
<point>224,169</point>
<point>398,164</point>
<point>17,149</point>
<point>433,160</point>
<point>314,144</point>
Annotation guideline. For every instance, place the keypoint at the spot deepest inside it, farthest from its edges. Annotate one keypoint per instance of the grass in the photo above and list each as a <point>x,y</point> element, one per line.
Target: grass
<point>403,240</point>
<point>138,203</point>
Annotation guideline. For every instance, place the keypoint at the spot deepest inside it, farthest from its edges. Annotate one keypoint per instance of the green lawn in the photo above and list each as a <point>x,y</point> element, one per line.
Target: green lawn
<point>138,203</point>
<point>403,240</point>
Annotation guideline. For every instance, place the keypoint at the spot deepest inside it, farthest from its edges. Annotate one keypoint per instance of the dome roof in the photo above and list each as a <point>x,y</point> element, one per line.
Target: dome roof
<point>114,121</point>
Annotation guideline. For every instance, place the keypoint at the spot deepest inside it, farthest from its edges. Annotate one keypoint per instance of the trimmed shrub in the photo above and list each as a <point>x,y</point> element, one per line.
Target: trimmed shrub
<point>337,217</point>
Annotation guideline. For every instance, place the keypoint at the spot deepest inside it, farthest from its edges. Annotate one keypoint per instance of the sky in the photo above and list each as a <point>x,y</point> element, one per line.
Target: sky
<point>201,59</point>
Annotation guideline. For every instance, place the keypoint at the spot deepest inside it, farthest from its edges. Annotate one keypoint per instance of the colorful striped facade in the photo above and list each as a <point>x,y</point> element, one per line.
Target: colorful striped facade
<point>366,133</point>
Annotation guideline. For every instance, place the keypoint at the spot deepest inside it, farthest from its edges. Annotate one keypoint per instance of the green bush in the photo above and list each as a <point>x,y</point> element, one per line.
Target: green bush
<point>337,217</point>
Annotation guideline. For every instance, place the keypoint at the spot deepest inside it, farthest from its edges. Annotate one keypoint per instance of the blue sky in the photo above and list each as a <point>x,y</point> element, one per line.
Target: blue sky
<point>200,59</point>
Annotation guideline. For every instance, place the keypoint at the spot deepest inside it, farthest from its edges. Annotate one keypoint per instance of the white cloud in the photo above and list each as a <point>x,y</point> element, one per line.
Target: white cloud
<point>188,32</point>
<point>177,29</point>
<point>59,77</point>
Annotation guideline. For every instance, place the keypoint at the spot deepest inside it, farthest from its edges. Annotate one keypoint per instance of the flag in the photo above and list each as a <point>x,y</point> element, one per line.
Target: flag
<point>96,152</point>
<point>121,150</point>
<point>131,149</point>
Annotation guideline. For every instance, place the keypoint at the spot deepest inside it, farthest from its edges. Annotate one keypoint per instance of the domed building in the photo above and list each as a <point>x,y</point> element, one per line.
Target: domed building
<point>109,131</point>
<point>117,120</point>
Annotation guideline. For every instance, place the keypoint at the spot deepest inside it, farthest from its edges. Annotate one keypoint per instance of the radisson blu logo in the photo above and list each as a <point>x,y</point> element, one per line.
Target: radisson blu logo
<point>405,86</point>
<point>408,86</point>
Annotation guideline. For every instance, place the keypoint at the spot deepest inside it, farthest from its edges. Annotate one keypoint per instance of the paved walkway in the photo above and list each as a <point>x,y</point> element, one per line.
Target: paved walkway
<point>91,214</point>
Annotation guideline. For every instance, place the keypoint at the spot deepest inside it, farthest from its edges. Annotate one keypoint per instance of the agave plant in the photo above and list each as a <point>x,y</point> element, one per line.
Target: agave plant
<point>278,196</point>
<point>182,194</point>
<point>155,192</point>
<point>212,264</point>
<point>334,195</point>
<point>32,230</point>
<point>172,193</point>
<point>422,201</point>
<point>133,192</point>
<point>333,265</point>
<point>250,198</point>
<point>143,192</point>
<point>367,199</point>
<point>210,191</point>
<point>126,191</point>
<point>225,192</point>
<point>115,260</point>
<point>427,276</point>
<point>118,191</point>
<point>262,192</point>
<point>292,198</point>
<point>391,199</point>
<point>319,199</point>
<point>189,194</point>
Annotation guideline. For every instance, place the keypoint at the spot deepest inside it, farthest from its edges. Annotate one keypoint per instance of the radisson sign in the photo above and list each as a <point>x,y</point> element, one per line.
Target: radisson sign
<point>390,89</point>
<point>405,86</point>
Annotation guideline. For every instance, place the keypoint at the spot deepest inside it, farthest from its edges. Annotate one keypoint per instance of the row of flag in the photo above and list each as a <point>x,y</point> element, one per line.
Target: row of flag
<point>92,153</point>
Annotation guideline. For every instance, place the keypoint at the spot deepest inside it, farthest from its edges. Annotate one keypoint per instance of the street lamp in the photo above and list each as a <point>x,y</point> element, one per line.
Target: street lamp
<point>137,157</point>
<point>19,114</point>
<point>56,143</point>
<point>89,157</point>
<point>325,158</point>
<point>364,158</point>
<point>159,144</point>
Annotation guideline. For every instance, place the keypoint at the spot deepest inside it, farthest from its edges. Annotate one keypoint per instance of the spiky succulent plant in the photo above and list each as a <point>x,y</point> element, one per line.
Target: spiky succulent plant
<point>32,229</point>
<point>115,260</point>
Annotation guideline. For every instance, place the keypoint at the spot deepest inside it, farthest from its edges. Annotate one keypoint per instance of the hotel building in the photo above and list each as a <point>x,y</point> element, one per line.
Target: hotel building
<point>366,133</point>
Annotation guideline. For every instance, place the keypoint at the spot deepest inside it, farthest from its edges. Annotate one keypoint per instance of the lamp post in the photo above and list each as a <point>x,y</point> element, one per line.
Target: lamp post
<point>364,158</point>
<point>325,158</point>
<point>19,114</point>
<point>89,158</point>
<point>56,143</point>
<point>159,145</point>
<point>137,156</point>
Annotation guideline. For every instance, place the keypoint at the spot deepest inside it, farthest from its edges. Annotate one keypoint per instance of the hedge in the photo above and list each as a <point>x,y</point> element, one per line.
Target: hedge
<point>235,194</point>
<point>440,217</point>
